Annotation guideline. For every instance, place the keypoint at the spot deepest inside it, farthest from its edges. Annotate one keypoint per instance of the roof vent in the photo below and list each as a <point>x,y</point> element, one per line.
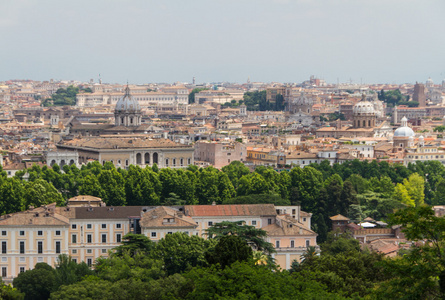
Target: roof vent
<point>89,209</point>
<point>36,214</point>
<point>111,209</point>
<point>213,203</point>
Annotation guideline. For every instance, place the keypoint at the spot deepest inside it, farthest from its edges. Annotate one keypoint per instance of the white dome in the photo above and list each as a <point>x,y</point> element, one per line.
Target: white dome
<point>404,131</point>
<point>364,107</point>
<point>127,103</point>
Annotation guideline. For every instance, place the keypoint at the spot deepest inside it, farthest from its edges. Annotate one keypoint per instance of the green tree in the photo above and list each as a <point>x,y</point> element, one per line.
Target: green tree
<point>401,194</point>
<point>133,244</point>
<point>229,249</point>
<point>180,252</point>
<point>67,271</point>
<point>7,292</point>
<point>251,235</point>
<point>415,186</point>
<point>193,92</point>
<point>37,283</point>
<point>420,273</point>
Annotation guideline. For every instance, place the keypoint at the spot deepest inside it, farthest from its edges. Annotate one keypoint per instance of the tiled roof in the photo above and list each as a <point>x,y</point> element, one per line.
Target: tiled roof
<point>230,210</point>
<point>166,217</point>
<point>122,143</point>
<point>41,216</point>
<point>339,218</point>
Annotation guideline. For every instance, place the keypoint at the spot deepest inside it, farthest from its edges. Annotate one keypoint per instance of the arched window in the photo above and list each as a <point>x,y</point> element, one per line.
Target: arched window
<point>189,161</point>
<point>131,120</point>
<point>369,123</point>
<point>174,161</point>
<point>166,162</point>
<point>147,158</point>
<point>122,120</point>
<point>182,162</point>
<point>138,159</point>
<point>155,158</point>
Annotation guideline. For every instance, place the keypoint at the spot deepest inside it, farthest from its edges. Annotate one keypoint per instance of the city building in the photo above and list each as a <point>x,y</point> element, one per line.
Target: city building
<point>87,229</point>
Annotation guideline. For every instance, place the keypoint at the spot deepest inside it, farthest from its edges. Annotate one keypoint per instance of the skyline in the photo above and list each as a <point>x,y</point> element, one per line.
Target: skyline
<point>223,41</point>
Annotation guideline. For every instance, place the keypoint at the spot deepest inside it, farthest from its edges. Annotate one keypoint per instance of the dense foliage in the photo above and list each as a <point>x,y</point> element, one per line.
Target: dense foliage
<point>63,97</point>
<point>356,189</point>
<point>395,97</point>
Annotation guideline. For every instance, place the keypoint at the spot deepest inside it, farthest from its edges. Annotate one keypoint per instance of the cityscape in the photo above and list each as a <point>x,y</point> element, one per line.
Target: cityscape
<point>255,150</point>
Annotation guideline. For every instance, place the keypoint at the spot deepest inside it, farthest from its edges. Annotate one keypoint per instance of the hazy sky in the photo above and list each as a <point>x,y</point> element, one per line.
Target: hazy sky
<point>369,41</point>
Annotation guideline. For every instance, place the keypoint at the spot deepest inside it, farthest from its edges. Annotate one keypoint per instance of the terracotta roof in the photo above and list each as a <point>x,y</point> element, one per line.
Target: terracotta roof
<point>231,210</point>
<point>41,216</point>
<point>166,217</point>
<point>339,218</point>
<point>287,227</point>
<point>122,143</point>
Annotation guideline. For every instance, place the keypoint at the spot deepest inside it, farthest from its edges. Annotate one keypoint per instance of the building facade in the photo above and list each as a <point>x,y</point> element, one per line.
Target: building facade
<point>86,229</point>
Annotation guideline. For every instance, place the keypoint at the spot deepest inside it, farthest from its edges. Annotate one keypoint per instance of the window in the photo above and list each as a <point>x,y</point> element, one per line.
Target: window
<point>75,260</point>
<point>22,247</point>
<point>277,244</point>
<point>89,251</point>
<point>292,244</point>
<point>89,226</point>
<point>104,226</point>
<point>269,221</point>
<point>104,250</point>
<point>89,262</point>
<point>4,232</point>
<point>22,269</point>
<point>254,222</point>
<point>119,226</point>
<point>169,232</point>
<point>4,247</point>
<point>22,233</point>
<point>4,272</point>
<point>210,223</point>
<point>118,238</point>
<point>57,247</point>
<point>40,247</point>
<point>57,232</point>
<point>308,243</point>
<point>40,232</point>
<point>89,238</point>
<point>74,251</point>
<point>74,226</point>
<point>74,239</point>
<point>153,234</point>
<point>104,238</point>
<point>304,219</point>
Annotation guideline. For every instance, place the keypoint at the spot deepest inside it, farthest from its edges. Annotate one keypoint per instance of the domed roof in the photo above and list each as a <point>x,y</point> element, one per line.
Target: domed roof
<point>127,103</point>
<point>404,130</point>
<point>364,107</point>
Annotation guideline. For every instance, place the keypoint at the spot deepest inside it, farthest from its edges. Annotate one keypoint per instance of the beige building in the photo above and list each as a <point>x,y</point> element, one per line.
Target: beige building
<point>86,229</point>
<point>220,154</point>
<point>129,150</point>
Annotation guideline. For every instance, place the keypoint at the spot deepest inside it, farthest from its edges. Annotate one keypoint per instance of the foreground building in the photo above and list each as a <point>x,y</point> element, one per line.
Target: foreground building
<point>86,229</point>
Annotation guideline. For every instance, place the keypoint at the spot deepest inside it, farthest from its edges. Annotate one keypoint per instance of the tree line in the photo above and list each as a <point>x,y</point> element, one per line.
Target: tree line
<point>356,189</point>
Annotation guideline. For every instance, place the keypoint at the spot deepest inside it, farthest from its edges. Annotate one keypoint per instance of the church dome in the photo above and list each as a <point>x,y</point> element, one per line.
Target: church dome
<point>127,103</point>
<point>404,130</point>
<point>364,108</point>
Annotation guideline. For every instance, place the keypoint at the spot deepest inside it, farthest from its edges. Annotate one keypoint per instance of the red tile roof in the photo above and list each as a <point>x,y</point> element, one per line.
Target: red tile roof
<point>231,210</point>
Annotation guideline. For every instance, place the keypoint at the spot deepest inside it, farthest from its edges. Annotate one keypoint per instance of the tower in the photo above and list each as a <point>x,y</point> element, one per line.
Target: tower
<point>127,112</point>
<point>419,94</point>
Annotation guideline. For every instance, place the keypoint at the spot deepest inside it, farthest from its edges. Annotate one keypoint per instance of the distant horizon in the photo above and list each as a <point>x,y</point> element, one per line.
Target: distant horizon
<point>369,41</point>
<point>218,82</point>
